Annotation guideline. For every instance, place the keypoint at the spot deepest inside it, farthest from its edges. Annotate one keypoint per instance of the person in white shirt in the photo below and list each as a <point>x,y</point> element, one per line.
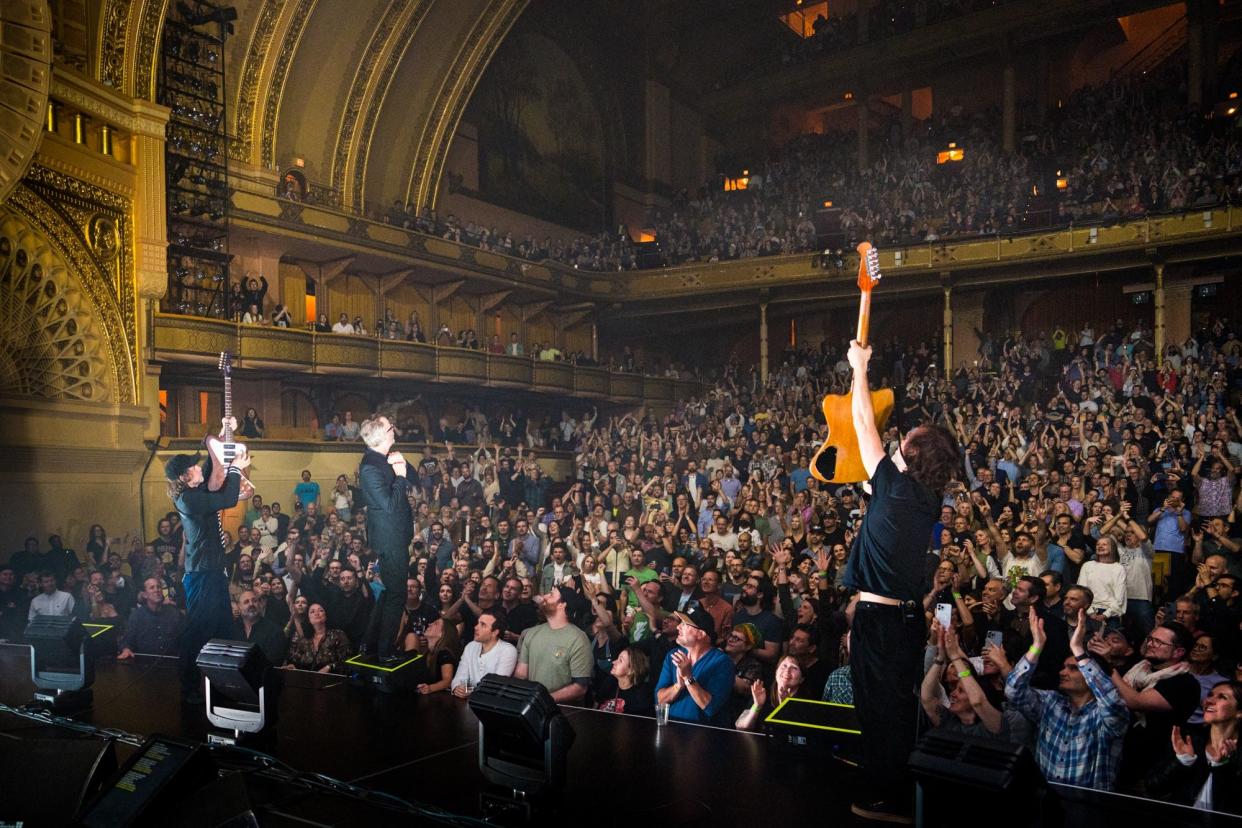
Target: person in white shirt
<point>1106,578</point>
<point>343,326</point>
<point>263,529</point>
<point>50,601</point>
<point>486,654</point>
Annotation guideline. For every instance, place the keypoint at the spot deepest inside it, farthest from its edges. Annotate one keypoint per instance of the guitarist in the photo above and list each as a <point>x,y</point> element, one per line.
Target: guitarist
<point>889,631</point>
<point>209,612</point>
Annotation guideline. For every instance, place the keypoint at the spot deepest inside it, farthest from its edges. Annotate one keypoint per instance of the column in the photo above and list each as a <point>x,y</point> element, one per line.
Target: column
<point>1009,107</point>
<point>763,342</point>
<point>1194,54</point>
<point>594,342</point>
<point>1158,297</point>
<point>907,112</point>
<point>946,331</point>
<point>862,130</point>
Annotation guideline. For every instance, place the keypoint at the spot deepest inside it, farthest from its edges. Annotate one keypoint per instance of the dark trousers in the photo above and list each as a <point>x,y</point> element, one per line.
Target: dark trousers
<point>886,660</point>
<point>381,636</point>
<point>208,615</point>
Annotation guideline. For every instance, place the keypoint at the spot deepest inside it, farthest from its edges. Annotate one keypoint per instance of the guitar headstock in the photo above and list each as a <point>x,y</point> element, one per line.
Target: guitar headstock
<point>226,363</point>
<point>868,267</point>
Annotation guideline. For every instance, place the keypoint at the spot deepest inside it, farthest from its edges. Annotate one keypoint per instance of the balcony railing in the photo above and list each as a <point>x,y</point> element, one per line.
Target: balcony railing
<point>192,339</point>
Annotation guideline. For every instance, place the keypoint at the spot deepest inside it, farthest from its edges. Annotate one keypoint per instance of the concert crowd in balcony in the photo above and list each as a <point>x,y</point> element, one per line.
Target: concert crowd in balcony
<point>1122,150</point>
<point>1090,553</point>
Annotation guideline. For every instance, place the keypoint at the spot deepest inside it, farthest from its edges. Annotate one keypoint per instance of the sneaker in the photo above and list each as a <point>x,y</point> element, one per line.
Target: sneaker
<point>881,811</point>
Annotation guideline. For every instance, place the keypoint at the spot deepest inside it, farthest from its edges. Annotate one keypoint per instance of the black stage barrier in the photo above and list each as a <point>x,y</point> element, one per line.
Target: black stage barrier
<point>622,770</point>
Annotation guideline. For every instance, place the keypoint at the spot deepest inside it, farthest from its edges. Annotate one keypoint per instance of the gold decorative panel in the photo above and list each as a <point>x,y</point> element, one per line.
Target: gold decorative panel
<point>407,358</point>
<point>291,349</point>
<point>552,375</point>
<point>51,345</point>
<point>188,335</point>
<point>356,352</point>
<point>458,363</point>
<point>626,385</point>
<point>592,381</point>
<point>508,370</point>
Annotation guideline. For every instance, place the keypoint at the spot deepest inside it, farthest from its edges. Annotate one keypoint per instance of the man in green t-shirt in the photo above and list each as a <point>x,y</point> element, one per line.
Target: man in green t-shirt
<point>557,654</point>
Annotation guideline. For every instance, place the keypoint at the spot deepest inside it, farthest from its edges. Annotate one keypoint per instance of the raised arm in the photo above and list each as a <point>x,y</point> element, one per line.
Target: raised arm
<point>870,447</point>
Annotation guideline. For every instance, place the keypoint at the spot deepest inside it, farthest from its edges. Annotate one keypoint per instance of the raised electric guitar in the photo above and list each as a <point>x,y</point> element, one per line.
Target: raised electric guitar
<point>838,459</point>
<point>224,449</point>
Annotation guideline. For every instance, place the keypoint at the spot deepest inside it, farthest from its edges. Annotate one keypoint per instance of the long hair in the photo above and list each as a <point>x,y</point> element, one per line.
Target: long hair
<point>932,456</point>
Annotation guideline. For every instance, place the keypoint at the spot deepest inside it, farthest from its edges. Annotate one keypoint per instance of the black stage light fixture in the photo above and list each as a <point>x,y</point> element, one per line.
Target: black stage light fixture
<point>241,687</point>
<point>949,769</point>
<point>59,665</point>
<point>524,739</point>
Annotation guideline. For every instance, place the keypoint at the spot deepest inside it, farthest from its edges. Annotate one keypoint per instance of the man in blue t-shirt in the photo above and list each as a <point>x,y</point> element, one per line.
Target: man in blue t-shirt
<point>307,491</point>
<point>697,679</point>
<point>886,568</point>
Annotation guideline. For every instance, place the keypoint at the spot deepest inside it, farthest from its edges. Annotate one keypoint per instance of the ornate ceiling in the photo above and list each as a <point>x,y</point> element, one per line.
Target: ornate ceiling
<point>367,92</point>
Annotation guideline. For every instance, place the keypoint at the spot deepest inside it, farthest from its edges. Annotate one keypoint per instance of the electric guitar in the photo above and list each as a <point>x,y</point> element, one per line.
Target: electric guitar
<point>838,459</point>
<point>224,449</point>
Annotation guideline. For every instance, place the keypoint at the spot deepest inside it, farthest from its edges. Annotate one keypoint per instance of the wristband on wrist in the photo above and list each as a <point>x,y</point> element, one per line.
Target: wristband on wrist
<point>754,708</point>
<point>965,674</point>
<point>957,595</point>
<point>1034,650</point>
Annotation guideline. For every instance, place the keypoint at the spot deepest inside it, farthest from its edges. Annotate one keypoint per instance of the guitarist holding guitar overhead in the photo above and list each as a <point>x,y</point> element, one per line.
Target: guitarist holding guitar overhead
<point>886,568</point>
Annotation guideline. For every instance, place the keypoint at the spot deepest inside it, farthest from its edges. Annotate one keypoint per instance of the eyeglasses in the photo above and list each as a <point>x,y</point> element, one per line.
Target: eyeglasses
<point>1151,639</point>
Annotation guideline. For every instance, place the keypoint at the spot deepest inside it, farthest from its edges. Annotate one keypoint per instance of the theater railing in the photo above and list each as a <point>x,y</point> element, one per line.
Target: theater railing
<point>1189,236</point>
<point>192,339</point>
<point>1077,248</point>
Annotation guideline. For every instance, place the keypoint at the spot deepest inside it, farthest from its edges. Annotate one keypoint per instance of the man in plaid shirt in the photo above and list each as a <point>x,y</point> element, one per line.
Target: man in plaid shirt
<point>1082,724</point>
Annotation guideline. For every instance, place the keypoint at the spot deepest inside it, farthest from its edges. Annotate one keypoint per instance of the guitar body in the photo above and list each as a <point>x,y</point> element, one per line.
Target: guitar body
<point>222,454</point>
<point>223,450</point>
<point>838,459</point>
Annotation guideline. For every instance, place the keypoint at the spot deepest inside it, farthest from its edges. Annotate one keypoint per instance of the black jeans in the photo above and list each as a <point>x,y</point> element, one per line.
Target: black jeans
<point>208,615</point>
<point>394,570</point>
<point>886,660</point>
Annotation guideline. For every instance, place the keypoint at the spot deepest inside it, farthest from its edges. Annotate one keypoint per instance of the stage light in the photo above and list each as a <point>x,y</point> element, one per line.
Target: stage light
<point>240,687</point>
<point>59,665</point>
<point>524,739</point>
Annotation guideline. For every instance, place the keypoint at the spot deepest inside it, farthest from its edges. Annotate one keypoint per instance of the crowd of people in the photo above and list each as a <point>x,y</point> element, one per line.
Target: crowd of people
<point>1120,150</point>
<point>1080,588</point>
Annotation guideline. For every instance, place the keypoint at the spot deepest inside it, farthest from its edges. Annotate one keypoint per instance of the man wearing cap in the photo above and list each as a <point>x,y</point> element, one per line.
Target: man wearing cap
<point>697,679</point>
<point>209,612</point>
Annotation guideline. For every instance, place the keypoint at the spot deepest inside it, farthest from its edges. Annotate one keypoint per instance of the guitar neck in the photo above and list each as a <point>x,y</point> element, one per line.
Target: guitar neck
<point>864,316</point>
<point>227,433</point>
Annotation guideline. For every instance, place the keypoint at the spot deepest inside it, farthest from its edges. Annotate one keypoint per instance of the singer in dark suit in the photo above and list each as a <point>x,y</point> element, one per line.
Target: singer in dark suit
<point>383,480</point>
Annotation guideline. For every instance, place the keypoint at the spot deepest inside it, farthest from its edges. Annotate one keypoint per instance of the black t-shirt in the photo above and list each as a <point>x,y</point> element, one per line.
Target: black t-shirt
<point>639,700</point>
<point>1149,744</point>
<point>888,553</point>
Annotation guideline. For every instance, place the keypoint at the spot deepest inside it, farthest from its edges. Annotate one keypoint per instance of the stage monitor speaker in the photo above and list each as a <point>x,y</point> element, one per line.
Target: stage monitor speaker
<point>951,768</point>
<point>151,784</point>
<point>524,739</point>
<point>240,687</point>
<point>50,778</point>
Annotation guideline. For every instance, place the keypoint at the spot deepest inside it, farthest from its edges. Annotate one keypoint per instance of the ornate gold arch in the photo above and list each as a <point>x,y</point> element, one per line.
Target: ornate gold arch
<point>67,326</point>
<point>360,142</point>
<point>455,92</point>
<point>262,76</point>
<point>360,88</point>
<point>128,45</point>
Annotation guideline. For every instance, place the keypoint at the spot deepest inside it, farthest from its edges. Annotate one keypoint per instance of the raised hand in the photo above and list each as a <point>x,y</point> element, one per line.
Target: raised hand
<point>1079,638</point>
<point>1038,636</point>
<point>758,692</point>
<point>1227,749</point>
<point>1182,746</point>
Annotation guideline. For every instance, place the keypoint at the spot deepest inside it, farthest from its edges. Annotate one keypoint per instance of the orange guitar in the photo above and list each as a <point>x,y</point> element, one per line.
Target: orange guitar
<point>838,459</point>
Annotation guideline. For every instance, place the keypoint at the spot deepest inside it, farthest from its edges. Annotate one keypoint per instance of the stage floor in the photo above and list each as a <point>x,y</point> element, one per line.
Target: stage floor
<point>623,770</point>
